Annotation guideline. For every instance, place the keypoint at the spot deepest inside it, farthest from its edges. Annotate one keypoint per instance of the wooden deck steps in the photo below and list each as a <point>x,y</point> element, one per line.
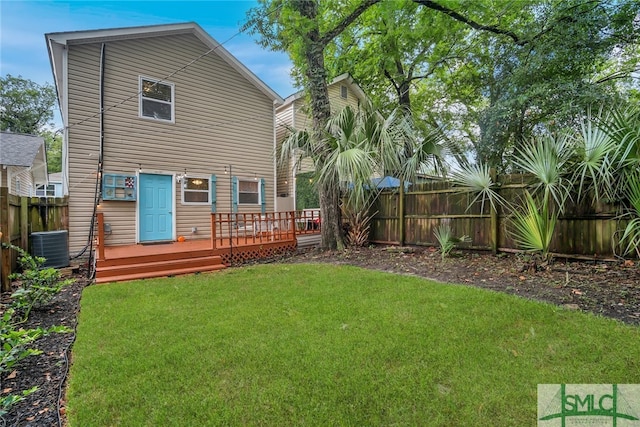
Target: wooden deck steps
<point>142,266</point>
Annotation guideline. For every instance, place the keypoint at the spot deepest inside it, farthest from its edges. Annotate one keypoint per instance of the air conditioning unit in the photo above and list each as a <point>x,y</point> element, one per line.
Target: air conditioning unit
<point>52,245</point>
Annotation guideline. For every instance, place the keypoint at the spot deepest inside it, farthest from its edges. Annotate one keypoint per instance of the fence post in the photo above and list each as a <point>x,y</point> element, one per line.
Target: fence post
<point>24,223</point>
<point>5,237</point>
<point>495,225</point>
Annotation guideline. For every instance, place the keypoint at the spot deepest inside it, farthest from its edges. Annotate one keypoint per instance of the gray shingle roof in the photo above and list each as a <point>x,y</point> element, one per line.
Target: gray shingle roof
<point>17,149</point>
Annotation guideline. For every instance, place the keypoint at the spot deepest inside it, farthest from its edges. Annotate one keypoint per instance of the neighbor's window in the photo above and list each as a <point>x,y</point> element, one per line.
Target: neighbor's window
<point>343,92</point>
<point>156,99</point>
<point>196,191</point>
<point>248,192</point>
<point>49,191</point>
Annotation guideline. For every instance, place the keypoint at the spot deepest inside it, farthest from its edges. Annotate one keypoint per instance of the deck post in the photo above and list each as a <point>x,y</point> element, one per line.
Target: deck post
<point>213,230</point>
<point>100,244</point>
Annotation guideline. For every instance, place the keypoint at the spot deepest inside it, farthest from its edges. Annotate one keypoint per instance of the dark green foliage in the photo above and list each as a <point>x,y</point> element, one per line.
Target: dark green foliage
<point>37,287</point>
<point>306,191</point>
<point>25,106</point>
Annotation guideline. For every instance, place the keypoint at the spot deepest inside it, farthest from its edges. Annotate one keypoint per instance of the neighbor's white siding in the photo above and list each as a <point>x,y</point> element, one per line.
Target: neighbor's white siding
<point>21,182</point>
<point>221,119</point>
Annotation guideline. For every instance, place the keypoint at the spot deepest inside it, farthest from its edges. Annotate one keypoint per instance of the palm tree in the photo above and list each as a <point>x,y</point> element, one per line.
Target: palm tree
<point>356,146</point>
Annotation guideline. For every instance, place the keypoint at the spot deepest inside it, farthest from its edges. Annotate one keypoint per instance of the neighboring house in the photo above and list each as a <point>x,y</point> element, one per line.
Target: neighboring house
<point>295,114</point>
<point>23,163</point>
<point>53,188</point>
<point>154,116</point>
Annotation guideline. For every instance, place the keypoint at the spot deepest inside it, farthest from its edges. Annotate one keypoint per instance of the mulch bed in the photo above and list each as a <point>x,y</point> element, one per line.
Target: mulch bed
<point>610,289</point>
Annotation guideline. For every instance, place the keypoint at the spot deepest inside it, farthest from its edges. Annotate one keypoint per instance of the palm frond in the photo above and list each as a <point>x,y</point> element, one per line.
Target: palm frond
<point>476,179</point>
<point>545,158</point>
<point>594,169</point>
<point>533,226</point>
<point>631,237</point>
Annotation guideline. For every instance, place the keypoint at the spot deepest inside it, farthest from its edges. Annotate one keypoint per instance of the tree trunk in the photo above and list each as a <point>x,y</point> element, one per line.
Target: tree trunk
<point>320,112</point>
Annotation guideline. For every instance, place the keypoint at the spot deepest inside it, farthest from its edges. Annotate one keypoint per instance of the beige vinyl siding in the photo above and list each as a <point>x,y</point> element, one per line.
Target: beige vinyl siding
<point>338,102</point>
<point>24,176</point>
<point>284,123</point>
<point>221,119</point>
<point>83,140</point>
<point>302,116</point>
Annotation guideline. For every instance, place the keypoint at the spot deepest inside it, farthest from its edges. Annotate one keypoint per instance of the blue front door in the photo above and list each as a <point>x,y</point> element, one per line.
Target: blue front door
<point>155,205</point>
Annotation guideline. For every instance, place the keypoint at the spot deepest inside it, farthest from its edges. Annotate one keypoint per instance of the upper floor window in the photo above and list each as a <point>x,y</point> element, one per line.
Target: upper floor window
<point>156,99</point>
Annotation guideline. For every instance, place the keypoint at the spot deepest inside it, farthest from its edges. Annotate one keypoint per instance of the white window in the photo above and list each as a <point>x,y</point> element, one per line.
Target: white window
<point>156,100</point>
<point>195,191</point>
<point>248,191</point>
<point>49,191</point>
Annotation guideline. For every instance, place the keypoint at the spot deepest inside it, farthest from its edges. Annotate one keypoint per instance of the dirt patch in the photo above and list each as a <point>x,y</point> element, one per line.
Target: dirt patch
<point>609,289</point>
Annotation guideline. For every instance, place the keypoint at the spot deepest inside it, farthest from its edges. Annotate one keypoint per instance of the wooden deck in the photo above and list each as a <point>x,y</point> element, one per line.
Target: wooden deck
<point>234,240</point>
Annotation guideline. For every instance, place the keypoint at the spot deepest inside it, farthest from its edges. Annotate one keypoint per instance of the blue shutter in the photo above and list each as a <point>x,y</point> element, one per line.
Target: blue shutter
<point>263,197</point>
<point>212,186</point>
<point>234,194</point>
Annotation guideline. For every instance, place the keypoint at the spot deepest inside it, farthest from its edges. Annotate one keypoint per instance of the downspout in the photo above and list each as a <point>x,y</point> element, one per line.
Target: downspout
<point>97,195</point>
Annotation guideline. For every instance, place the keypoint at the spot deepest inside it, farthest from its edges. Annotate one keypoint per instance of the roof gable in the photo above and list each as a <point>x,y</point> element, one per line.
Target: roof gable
<point>57,42</point>
<point>17,149</point>
<point>343,79</point>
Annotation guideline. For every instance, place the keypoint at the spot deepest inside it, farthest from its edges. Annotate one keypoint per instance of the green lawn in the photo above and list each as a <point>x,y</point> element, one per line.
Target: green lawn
<point>279,345</point>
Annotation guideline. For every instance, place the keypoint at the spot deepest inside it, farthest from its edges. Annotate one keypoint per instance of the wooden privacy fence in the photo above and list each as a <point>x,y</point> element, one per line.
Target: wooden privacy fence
<point>20,216</point>
<point>584,229</point>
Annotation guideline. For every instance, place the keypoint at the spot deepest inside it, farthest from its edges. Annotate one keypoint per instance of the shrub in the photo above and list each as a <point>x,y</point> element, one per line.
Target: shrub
<point>38,285</point>
<point>446,240</point>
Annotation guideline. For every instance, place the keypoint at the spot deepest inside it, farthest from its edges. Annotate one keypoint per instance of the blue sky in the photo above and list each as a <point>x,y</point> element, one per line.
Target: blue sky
<point>23,24</point>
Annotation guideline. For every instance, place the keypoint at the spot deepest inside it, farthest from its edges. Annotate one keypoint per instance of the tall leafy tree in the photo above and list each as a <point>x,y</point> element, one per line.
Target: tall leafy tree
<point>53,144</point>
<point>306,29</point>
<point>25,106</point>
<point>492,84</point>
<point>303,30</point>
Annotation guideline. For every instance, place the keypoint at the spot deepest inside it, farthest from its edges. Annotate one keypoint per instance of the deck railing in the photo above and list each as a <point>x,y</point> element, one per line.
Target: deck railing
<point>308,221</point>
<point>240,229</point>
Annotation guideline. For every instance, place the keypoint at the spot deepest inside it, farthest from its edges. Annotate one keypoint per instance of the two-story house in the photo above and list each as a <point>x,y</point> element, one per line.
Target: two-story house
<point>162,126</point>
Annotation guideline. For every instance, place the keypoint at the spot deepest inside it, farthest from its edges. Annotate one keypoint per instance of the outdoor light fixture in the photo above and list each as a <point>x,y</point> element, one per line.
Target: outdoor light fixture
<point>180,178</point>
